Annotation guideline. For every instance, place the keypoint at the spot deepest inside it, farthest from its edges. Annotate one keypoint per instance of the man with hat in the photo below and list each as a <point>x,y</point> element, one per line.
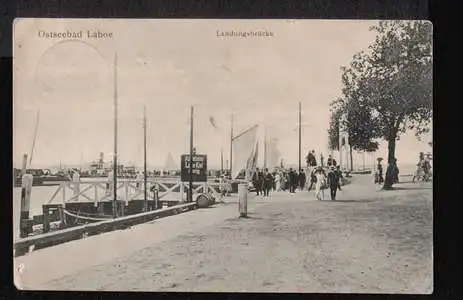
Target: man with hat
<point>333,181</point>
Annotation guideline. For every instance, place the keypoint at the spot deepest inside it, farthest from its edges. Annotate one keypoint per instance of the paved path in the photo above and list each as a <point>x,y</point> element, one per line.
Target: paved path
<point>366,242</point>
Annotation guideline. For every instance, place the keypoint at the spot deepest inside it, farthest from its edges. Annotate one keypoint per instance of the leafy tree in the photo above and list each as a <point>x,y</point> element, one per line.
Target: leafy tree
<point>393,82</point>
<point>333,130</point>
<point>359,125</point>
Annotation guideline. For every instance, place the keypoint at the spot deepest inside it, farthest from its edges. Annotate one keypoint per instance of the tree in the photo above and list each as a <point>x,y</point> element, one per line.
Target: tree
<point>333,130</point>
<point>393,82</point>
<point>359,124</point>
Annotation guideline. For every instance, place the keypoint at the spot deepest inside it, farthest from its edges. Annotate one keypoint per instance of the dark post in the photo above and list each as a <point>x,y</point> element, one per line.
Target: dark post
<point>115,141</point>
<point>299,157</point>
<point>26,187</point>
<point>46,219</point>
<point>190,194</point>
<point>144,167</point>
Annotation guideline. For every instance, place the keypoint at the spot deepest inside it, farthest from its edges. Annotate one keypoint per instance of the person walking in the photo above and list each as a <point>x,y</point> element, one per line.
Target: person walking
<point>313,178</point>
<point>292,181</point>
<point>278,181</point>
<point>379,168</point>
<point>302,179</point>
<point>274,184</point>
<point>333,182</point>
<point>268,182</point>
<point>255,181</point>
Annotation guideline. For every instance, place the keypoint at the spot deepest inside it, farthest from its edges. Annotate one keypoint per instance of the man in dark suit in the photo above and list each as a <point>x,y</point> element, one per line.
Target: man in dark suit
<point>268,182</point>
<point>292,181</point>
<point>333,181</point>
<point>302,179</point>
<point>257,181</point>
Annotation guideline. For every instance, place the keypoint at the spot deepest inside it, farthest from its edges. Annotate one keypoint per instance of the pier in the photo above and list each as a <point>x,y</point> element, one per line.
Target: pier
<point>360,243</point>
<point>70,203</point>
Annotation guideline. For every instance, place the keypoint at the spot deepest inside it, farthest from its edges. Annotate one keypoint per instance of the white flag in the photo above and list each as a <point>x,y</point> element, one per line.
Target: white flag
<point>243,148</point>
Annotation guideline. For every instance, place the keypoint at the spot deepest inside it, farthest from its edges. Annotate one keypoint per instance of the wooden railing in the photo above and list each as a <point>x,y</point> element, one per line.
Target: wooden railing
<point>127,190</point>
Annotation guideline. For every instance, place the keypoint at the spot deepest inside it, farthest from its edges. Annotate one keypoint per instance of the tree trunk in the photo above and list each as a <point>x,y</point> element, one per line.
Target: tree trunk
<point>351,159</point>
<point>389,180</point>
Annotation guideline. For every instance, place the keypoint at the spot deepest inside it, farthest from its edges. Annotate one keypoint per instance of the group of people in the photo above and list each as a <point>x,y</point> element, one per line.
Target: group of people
<point>282,180</point>
<point>423,167</point>
<point>311,160</point>
<point>321,180</point>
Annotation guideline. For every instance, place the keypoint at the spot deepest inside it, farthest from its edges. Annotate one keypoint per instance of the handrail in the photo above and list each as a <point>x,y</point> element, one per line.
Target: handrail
<point>73,191</point>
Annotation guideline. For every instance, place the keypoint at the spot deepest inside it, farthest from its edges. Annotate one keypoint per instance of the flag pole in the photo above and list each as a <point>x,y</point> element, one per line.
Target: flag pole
<point>145,198</point>
<point>299,157</point>
<point>35,137</point>
<point>231,144</point>
<point>190,195</point>
<point>115,141</point>
<point>221,161</point>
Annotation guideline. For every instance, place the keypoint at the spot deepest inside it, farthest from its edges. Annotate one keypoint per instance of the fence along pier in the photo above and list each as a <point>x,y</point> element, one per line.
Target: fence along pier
<point>93,200</point>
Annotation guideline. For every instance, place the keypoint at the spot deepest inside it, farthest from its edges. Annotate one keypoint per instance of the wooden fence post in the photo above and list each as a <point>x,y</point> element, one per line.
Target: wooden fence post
<point>46,218</point>
<point>243,199</point>
<point>26,190</point>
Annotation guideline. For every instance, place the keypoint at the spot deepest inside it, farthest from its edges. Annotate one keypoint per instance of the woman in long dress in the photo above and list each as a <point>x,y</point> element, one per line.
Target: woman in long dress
<point>278,181</point>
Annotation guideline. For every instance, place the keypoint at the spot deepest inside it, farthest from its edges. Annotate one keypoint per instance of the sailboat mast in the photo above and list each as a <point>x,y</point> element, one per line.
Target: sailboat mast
<point>265,148</point>
<point>231,144</point>
<point>221,161</point>
<point>300,119</point>
<point>115,140</point>
<point>190,195</point>
<point>145,175</point>
<point>35,137</point>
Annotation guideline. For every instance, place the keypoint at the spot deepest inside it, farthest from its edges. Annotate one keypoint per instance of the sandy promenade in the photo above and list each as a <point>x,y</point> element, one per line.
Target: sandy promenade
<point>367,241</point>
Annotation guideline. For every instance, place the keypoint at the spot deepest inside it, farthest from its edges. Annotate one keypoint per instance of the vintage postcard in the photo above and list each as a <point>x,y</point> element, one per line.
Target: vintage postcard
<point>223,155</point>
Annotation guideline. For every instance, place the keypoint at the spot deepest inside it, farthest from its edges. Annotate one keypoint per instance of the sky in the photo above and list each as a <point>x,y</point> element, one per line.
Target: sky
<point>168,66</point>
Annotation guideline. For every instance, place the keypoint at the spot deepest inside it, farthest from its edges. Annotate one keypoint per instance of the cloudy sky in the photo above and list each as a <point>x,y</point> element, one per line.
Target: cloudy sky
<point>169,65</point>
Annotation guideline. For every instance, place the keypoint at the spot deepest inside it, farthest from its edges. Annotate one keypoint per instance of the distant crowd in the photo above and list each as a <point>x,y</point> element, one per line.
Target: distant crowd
<point>319,177</point>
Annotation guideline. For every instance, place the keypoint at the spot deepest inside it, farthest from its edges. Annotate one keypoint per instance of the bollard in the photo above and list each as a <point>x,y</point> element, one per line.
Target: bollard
<point>243,199</point>
<point>26,190</point>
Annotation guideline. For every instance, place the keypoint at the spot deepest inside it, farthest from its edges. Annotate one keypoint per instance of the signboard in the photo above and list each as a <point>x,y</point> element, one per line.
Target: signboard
<point>199,171</point>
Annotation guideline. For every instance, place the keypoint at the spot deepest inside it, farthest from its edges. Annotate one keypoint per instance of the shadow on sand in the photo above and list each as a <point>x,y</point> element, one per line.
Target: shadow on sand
<point>411,188</point>
<point>248,217</point>
<point>351,201</point>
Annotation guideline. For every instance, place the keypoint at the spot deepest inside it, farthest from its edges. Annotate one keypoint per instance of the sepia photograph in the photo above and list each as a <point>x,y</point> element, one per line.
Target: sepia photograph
<point>194,155</point>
